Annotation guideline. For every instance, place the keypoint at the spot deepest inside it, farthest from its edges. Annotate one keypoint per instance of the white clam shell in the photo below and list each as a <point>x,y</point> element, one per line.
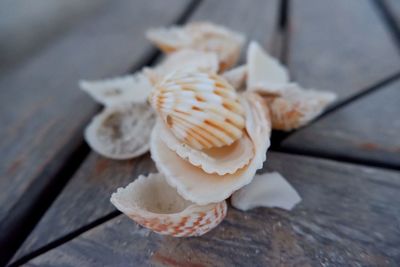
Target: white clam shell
<point>295,107</point>
<point>201,109</point>
<point>236,77</point>
<point>264,71</point>
<point>134,88</point>
<point>200,187</point>
<point>222,160</point>
<point>121,132</point>
<point>152,203</point>
<point>266,190</point>
<point>204,36</point>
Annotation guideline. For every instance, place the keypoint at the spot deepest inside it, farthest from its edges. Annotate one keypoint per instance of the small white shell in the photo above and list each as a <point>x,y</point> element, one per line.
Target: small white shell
<point>133,88</point>
<point>266,190</point>
<point>227,159</point>
<point>152,203</point>
<point>185,59</point>
<point>236,77</point>
<point>264,71</point>
<point>202,36</point>
<point>200,187</point>
<point>295,107</point>
<point>201,109</point>
<point>121,132</point>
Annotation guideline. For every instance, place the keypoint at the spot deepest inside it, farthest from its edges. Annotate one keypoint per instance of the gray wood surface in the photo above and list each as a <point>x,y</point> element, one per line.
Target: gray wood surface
<point>367,129</point>
<point>257,20</point>
<point>348,217</point>
<point>393,7</point>
<point>42,111</point>
<point>342,46</point>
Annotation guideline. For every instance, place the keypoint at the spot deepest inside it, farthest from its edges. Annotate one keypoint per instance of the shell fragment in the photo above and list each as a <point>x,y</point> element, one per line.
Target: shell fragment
<point>266,190</point>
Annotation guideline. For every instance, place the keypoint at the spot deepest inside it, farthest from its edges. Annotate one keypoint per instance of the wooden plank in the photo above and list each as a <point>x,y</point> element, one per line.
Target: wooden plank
<point>394,8</point>
<point>41,108</point>
<point>365,130</point>
<point>347,218</point>
<point>233,14</point>
<point>342,46</point>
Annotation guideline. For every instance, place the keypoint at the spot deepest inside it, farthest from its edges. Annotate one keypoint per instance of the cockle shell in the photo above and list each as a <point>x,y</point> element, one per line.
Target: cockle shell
<point>202,36</point>
<point>122,131</point>
<point>223,160</point>
<point>133,88</point>
<point>185,59</point>
<point>152,203</point>
<point>264,71</point>
<point>202,188</point>
<point>295,107</point>
<point>201,109</point>
<point>266,190</point>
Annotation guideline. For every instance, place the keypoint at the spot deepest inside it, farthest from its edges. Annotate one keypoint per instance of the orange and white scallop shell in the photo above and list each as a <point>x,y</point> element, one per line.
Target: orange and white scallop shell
<point>202,188</point>
<point>200,108</point>
<point>152,203</point>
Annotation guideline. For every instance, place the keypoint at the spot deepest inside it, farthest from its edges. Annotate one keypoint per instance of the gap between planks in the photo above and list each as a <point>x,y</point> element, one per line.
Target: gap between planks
<point>389,19</point>
<point>24,216</point>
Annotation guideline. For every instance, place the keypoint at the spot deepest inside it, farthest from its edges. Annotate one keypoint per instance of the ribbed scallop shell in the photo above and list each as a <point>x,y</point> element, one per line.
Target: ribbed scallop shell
<point>152,203</point>
<point>201,109</point>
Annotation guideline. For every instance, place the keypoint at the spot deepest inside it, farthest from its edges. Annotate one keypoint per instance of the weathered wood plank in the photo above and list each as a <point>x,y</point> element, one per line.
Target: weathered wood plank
<point>41,109</point>
<point>367,129</point>
<point>234,14</point>
<point>347,218</point>
<point>342,46</point>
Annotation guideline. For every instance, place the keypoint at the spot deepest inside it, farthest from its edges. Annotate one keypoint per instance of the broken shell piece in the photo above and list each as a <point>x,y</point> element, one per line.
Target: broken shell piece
<point>133,88</point>
<point>152,203</point>
<point>201,109</point>
<point>236,77</point>
<point>200,187</point>
<point>121,132</point>
<point>227,159</point>
<point>296,107</point>
<point>266,190</point>
<point>264,71</point>
<point>202,36</point>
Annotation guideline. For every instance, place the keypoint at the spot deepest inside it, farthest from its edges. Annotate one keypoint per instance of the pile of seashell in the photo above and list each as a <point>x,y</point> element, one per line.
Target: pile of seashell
<point>207,127</point>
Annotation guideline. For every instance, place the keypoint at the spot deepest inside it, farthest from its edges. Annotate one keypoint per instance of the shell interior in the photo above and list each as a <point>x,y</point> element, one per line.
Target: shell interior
<point>121,132</point>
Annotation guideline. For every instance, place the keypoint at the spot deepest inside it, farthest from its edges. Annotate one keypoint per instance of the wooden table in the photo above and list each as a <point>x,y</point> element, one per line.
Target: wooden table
<point>54,204</point>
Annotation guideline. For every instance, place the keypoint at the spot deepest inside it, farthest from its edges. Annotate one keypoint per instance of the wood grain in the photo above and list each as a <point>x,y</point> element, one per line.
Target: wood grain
<point>348,217</point>
<point>42,111</point>
<point>365,130</point>
<point>341,46</point>
<point>65,215</point>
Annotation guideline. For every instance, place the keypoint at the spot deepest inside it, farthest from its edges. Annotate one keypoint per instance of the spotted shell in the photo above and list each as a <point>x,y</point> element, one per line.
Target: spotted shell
<point>201,108</point>
<point>152,203</point>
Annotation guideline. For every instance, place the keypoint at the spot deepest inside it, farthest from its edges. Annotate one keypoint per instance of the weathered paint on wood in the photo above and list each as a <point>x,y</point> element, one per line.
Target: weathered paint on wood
<point>42,111</point>
<point>343,46</point>
<point>256,20</point>
<point>367,130</point>
<point>348,217</point>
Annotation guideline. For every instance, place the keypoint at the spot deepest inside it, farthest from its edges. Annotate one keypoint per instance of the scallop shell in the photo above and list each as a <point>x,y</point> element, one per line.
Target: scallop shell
<point>264,71</point>
<point>121,132</point>
<point>227,159</point>
<point>133,88</point>
<point>152,203</point>
<point>201,109</point>
<point>185,59</point>
<point>266,190</point>
<point>202,36</point>
<point>295,107</point>
<point>236,77</point>
<point>202,188</point>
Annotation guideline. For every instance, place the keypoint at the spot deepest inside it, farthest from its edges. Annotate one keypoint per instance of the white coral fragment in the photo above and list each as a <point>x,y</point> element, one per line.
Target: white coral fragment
<point>266,190</point>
